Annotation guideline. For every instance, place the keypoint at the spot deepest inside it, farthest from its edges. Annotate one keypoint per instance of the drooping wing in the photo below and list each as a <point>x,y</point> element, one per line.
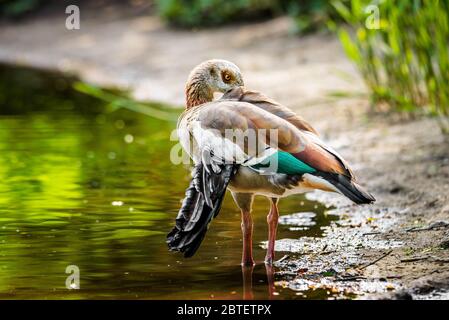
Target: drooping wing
<point>215,119</point>
<point>202,203</point>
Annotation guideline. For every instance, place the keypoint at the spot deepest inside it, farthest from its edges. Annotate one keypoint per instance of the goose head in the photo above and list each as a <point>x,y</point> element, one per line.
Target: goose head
<point>209,77</point>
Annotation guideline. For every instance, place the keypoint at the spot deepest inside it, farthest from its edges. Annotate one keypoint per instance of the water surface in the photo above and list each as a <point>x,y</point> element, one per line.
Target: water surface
<point>81,185</point>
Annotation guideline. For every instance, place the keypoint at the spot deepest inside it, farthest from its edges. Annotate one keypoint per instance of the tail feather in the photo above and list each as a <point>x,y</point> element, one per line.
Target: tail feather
<point>347,187</point>
<point>195,213</point>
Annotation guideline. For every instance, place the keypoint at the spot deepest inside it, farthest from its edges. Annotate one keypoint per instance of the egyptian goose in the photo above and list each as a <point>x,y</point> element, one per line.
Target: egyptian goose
<point>249,144</point>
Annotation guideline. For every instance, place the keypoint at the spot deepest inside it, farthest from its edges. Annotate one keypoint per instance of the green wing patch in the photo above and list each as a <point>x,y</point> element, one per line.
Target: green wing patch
<point>286,163</point>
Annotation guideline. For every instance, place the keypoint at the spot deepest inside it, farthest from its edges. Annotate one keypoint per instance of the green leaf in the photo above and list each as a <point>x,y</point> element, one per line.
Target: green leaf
<point>349,46</point>
<point>343,11</point>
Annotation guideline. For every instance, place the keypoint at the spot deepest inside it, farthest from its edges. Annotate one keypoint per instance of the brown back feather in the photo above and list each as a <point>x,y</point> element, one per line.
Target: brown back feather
<point>315,155</point>
<point>260,100</point>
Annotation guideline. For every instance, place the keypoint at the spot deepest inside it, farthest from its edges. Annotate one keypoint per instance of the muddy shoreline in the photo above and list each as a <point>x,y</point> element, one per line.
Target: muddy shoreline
<point>396,248</point>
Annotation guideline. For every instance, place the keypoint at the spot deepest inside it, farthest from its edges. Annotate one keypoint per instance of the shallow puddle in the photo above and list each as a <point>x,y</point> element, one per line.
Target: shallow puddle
<point>81,185</point>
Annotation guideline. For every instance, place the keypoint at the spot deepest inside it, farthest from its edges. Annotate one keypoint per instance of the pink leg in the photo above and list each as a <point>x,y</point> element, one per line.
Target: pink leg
<point>272,220</point>
<point>247,230</point>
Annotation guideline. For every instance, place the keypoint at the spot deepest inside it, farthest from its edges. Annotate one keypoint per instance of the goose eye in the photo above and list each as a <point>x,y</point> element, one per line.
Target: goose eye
<point>227,77</point>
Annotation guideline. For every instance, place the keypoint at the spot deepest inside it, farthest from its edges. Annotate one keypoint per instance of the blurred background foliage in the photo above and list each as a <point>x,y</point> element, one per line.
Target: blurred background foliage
<point>201,13</point>
<point>308,15</point>
<point>404,60</point>
<point>16,8</point>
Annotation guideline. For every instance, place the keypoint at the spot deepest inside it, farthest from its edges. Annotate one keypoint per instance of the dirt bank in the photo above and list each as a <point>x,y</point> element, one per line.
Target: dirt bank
<point>397,247</point>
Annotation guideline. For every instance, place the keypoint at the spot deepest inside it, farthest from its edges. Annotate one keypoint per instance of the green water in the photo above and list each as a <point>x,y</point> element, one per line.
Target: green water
<point>81,185</point>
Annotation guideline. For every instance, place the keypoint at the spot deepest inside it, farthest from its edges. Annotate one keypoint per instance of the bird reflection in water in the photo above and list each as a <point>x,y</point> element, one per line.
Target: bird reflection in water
<point>247,277</point>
